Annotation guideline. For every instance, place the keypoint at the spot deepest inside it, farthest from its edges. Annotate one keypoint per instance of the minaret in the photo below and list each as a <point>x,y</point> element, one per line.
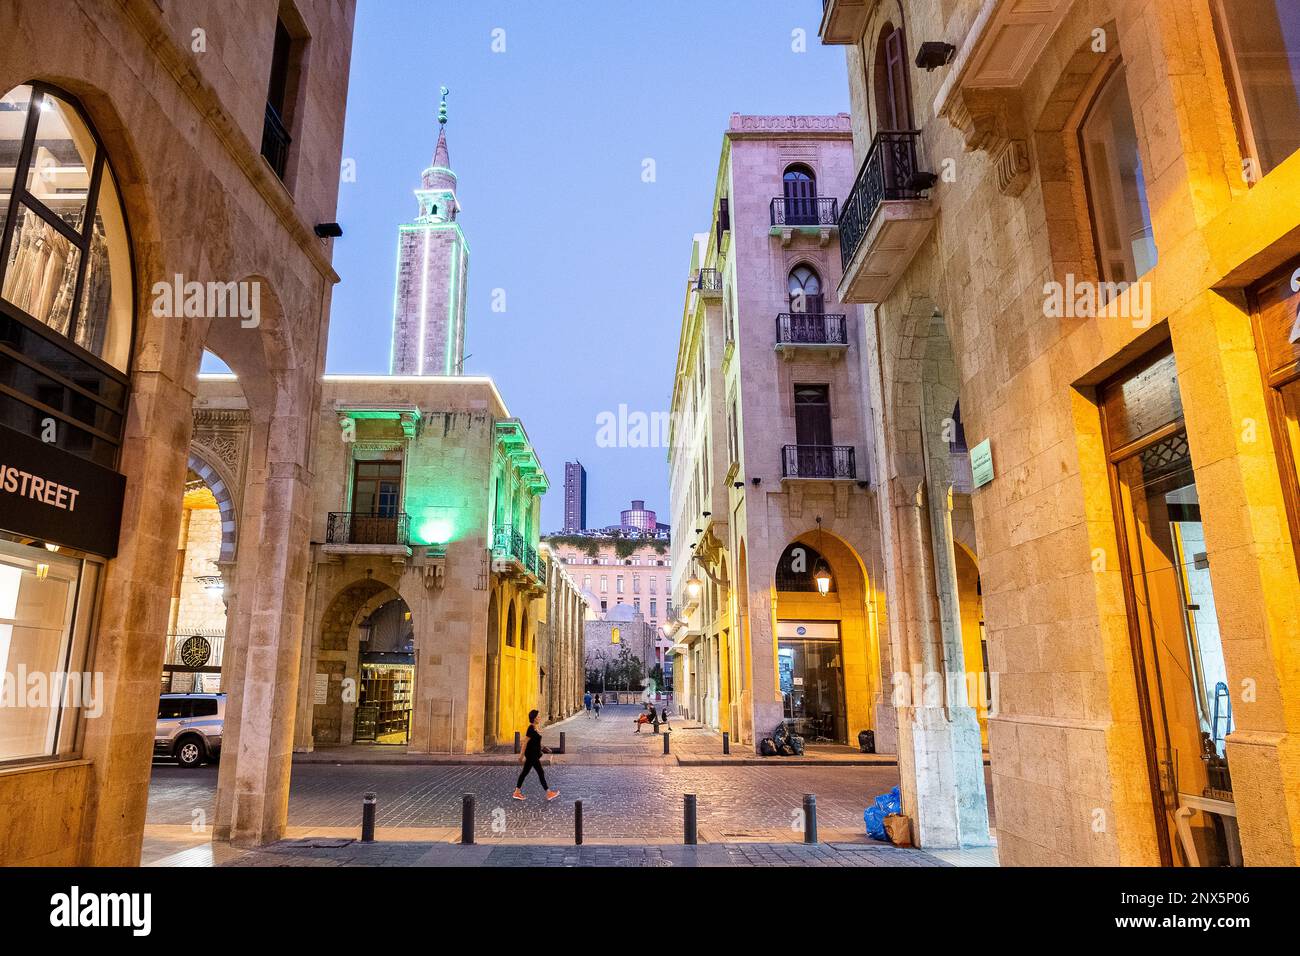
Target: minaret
<point>432,264</point>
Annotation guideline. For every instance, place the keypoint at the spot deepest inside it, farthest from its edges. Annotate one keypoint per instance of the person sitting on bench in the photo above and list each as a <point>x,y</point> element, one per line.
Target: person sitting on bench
<point>643,717</point>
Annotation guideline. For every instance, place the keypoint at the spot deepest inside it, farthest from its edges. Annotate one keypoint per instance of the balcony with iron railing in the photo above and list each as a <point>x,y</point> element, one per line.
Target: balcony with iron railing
<point>814,330</point>
<point>821,212</point>
<point>510,547</point>
<point>352,528</point>
<point>886,217</point>
<point>827,462</point>
<point>708,282</point>
<point>275,141</point>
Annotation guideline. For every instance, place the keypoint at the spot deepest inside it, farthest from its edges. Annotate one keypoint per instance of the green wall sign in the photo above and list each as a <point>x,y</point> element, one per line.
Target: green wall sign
<point>981,464</point>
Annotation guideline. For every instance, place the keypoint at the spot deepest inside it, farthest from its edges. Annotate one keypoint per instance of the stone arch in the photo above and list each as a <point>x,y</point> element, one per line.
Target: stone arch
<point>852,707</point>
<point>221,488</point>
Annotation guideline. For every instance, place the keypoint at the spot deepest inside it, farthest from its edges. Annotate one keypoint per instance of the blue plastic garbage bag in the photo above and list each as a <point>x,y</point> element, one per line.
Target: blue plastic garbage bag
<point>874,815</point>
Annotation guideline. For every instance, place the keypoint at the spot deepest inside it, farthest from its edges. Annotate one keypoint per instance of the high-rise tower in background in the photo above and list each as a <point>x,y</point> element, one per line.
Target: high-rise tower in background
<point>432,267</point>
<point>575,497</point>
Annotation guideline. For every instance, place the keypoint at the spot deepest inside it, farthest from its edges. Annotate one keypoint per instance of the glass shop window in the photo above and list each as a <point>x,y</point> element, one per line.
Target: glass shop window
<point>1275,304</point>
<point>1183,686</point>
<point>46,606</point>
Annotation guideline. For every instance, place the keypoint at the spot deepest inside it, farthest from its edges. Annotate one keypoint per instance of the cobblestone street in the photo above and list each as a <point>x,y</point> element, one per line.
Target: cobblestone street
<point>642,803</point>
<point>632,808</point>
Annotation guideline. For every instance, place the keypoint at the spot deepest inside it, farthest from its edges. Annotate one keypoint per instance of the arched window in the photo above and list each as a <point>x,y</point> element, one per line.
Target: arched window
<point>66,287</point>
<point>799,188</point>
<point>65,257</point>
<point>799,562</point>
<point>510,626</point>
<point>1117,195</point>
<point>805,288</point>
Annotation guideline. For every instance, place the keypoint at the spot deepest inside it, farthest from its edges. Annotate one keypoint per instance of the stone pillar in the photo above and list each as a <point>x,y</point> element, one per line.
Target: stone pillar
<point>940,757</point>
<point>253,787</point>
<point>766,697</point>
<point>129,643</point>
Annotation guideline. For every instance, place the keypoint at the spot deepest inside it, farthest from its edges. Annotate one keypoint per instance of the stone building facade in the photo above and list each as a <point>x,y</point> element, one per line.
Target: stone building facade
<point>432,619</point>
<point>619,566</point>
<point>772,455</point>
<point>196,122</point>
<point>561,642</point>
<point>1078,221</point>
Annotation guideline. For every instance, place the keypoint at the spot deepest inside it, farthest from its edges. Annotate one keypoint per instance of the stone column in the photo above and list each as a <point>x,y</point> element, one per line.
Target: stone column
<point>253,788</point>
<point>129,642</point>
<point>940,758</point>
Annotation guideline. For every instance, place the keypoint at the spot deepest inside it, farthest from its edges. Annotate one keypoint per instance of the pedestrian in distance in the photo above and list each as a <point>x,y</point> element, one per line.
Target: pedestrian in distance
<point>586,702</point>
<point>531,758</point>
<point>595,705</point>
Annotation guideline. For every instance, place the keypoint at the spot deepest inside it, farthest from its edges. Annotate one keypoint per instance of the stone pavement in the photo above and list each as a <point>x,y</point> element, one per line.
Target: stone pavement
<point>630,802</point>
<point>343,853</point>
<point>632,808</point>
<point>610,740</point>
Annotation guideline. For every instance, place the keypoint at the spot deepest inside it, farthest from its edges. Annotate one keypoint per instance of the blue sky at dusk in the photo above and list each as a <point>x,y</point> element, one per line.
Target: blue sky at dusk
<point>548,140</point>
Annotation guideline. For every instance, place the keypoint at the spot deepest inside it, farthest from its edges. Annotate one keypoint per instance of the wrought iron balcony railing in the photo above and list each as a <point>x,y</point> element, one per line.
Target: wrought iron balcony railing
<point>818,461</point>
<point>275,141</point>
<point>709,282</point>
<point>812,211</point>
<point>346,527</point>
<point>889,172</point>
<point>811,328</point>
<point>509,543</point>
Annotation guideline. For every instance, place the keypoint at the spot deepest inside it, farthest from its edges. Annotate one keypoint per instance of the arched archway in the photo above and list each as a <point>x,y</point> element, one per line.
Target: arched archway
<point>215,481</point>
<point>363,656</point>
<point>828,658</point>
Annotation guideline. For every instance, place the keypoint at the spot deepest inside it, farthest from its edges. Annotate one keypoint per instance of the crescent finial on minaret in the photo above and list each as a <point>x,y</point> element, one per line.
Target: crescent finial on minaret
<point>442,108</point>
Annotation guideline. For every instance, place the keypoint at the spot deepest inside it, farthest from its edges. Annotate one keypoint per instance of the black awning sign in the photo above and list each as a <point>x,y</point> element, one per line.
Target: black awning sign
<point>57,497</point>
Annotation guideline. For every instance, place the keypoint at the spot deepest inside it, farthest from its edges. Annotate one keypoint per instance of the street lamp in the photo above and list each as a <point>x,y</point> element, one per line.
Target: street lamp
<point>693,586</point>
<point>823,574</point>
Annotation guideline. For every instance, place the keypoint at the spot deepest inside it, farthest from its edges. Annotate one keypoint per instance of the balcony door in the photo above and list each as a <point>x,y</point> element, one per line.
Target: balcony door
<point>799,188</point>
<point>812,430</point>
<point>376,501</point>
<point>893,102</point>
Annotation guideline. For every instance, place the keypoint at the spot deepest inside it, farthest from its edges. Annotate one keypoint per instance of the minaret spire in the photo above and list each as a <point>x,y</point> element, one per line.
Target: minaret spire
<point>429,307</point>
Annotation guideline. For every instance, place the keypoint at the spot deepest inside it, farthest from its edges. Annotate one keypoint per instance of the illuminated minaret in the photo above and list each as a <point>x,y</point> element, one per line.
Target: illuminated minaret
<point>432,264</point>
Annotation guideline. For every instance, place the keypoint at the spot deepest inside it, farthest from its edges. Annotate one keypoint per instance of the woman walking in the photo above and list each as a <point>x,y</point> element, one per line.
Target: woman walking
<point>532,759</point>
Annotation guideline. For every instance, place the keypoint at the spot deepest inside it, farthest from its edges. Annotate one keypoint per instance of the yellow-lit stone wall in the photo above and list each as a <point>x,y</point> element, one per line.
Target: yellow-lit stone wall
<point>1068,761</point>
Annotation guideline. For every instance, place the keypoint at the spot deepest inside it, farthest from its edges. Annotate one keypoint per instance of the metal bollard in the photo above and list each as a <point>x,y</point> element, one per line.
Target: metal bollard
<point>516,741</point>
<point>577,823</point>
<point>368,818</point>
<point>726,742</point>
<point>561,748</point>
<point>810,818</point>
<point>689,837</point>
<point>467,819</point>
<point>666,737</point>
